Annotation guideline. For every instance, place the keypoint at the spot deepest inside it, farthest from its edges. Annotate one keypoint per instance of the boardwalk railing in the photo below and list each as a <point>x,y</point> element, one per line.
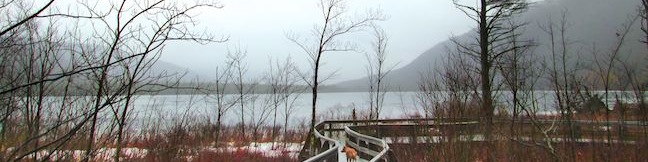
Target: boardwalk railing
<point>369,148</point>
<point>324,148</point>
<point>375,139</point>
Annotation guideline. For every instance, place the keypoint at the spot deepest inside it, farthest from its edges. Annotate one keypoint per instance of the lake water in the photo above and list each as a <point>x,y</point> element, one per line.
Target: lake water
<point>330,105</point>
<point>196,108</point>
<point>166,109</point>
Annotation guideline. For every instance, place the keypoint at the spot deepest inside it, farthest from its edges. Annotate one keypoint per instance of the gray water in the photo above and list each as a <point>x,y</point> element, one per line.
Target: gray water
<point>166,110</point>
<point>330,105</point>
<point>201,108</point>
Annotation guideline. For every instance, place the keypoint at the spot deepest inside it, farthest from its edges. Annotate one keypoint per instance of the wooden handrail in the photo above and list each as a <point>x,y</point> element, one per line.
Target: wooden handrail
<point>329,145</point>
<point>378,148</point>
<point>358,138</point>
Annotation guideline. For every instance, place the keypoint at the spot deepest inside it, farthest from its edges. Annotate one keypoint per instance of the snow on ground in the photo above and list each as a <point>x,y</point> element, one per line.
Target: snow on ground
<point>106,154</point>
<point>266,149</point>
<point>103,154</point>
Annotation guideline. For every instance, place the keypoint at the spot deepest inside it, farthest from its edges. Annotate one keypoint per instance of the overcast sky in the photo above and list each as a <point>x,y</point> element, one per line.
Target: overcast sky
<point>260,27</point>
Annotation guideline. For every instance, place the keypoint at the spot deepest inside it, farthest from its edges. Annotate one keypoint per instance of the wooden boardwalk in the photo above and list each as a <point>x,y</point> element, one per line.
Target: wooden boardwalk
<point>372,137</point>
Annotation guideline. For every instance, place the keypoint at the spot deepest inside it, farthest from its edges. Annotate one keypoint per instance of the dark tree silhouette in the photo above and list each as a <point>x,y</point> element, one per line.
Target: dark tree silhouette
<point>492,35</point>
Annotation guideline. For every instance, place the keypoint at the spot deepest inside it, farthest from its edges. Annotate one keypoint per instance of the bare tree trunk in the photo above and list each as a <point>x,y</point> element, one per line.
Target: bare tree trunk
<point>290,92</point>
<point>376,72</point>
<point>604,69</point>
<point>333,26</point>
<point>641,85</point>
<point>489,16</point>
<point>223,79</point>
<point>235,59</point>
<point>515,69</point>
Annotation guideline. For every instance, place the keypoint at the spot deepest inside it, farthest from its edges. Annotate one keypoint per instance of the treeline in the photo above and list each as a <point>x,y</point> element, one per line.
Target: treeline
<point>96,57</point>
<point>494,74</point>
<point>182,88</point>
<point>69,92</point>
<point>185,88</point>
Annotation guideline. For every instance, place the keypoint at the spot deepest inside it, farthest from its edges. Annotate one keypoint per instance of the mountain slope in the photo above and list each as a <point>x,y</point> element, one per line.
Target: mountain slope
<point>590,22</point>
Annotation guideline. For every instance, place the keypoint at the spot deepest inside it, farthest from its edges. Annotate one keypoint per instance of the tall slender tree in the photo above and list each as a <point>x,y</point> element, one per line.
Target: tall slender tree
<point>236,60</point>
<point>223,102</point>
<point>641,84</point>
<point>377,71</point>
<point>329,37</point>
<point>493,33</point>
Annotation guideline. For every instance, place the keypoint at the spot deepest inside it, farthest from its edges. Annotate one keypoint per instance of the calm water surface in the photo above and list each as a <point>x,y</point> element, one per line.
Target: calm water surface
<point>194,108</point>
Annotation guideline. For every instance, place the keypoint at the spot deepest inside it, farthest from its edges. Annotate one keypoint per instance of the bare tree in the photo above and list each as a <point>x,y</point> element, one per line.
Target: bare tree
<point>456,88</point>
<point>168,26</point>
<point>32,51</point>
<point>607,68</point>
<point>273,79</point>
<point>515,65</point>
<point>235,59</point>
<point>291,94</point>
<point>377,71</point>
<point>426,98</point>
<point>451,92</point>
<point>640,84</point>
<point>519,74</point>
<point>110,62</point>
<point>259,114</point>
<point>37,58</point>
<point>282,81</point>
<point>291,91</point>
<point>567,85</point>
<point>643,14</point>
<point>490,16</point>
<point>223,102</point>
<point>490,45</point>
<point>329,38</point>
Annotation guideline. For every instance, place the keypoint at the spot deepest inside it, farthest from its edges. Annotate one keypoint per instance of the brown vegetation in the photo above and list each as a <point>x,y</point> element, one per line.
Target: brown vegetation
<point>183,143</point>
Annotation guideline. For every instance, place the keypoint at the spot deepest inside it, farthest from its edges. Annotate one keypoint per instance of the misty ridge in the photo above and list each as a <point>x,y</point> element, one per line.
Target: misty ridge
<point>593,28</point>
<point>591,25</point>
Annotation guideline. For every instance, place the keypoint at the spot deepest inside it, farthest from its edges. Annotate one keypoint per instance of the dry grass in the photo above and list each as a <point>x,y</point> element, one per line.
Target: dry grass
<point>528,142</point>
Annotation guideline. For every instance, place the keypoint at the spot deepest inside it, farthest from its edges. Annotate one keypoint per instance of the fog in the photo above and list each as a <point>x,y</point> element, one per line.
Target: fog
<point>260,28</point>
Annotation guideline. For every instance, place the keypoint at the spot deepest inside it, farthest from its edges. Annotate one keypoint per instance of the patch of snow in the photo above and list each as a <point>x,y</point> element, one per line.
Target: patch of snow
<point>102,154</point>
<point>107,154</point>
<point>266,149</point>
